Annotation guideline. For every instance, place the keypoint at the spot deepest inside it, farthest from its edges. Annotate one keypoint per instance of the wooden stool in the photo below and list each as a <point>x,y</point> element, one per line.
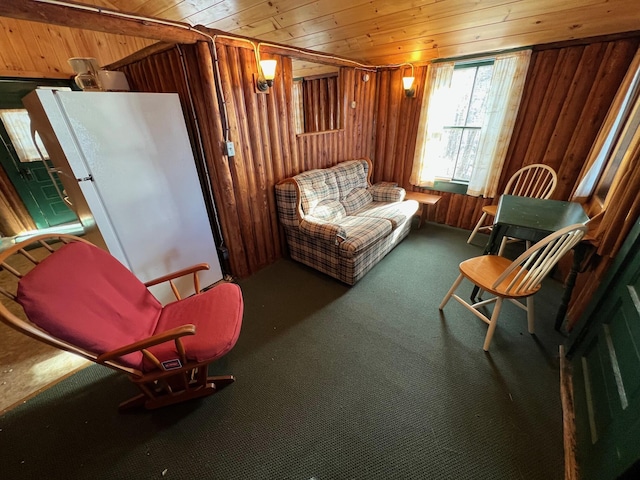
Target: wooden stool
<point>423,199</point>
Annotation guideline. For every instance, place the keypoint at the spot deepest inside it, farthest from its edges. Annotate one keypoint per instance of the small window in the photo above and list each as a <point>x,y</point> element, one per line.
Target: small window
<point>461,130</point>
<point>18,125</point>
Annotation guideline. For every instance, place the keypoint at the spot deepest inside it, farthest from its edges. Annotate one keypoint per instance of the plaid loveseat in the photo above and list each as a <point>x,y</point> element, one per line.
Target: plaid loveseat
<point>338,223</point>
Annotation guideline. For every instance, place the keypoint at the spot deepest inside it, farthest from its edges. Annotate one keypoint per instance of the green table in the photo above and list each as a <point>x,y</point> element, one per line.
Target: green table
<point>533,219</point>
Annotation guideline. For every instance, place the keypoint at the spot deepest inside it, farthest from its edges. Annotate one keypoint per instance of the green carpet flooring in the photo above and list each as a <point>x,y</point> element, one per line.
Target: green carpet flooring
<point>367,382</point>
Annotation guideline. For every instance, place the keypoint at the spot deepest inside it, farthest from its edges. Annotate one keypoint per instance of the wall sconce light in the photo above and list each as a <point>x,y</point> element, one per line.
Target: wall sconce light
<point>266,75</point>
<point>407,84</point>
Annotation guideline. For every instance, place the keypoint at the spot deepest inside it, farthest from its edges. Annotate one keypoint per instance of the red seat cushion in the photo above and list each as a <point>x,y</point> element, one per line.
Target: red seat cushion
<point>217,315</point>
<point>83,295</point>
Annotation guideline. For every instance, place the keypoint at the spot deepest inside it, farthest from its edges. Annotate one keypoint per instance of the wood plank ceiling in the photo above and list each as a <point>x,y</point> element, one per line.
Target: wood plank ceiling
<point>374,32</point>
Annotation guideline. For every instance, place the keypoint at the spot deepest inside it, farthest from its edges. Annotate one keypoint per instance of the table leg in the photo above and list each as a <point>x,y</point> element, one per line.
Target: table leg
<point>579,252</point>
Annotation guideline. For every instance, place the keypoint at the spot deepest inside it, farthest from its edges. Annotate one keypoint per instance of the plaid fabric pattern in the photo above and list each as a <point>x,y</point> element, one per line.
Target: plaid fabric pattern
<point>287,202</point>
<point>329,210</point>
<point>387,192</point>
<point>317,228</point>
<point>326,258</point>
<point>316,186</point>
<point>357,199</point>
<point>350,175</point>
<point>346,227</point>
<point>397,213</point>
<point>362,232</point>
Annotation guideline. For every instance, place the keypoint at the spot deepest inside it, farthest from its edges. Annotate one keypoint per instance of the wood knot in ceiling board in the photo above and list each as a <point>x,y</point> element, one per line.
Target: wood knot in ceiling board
<point>575,26</point>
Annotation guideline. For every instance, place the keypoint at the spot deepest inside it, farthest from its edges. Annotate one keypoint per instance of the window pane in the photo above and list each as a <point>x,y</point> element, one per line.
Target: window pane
<point>451,144</point>
<point>461,88</point>
<point>467,154</point>
<point>478,105</point>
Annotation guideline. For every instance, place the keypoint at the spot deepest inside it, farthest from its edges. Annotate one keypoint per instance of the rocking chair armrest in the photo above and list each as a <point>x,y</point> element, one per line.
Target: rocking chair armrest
<point>180,273</point>
<point>174,333</point>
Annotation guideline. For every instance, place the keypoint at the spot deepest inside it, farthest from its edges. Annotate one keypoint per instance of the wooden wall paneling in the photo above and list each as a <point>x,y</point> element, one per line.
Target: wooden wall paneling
<point>285,111</point>
<point>570,98</point>
<point>554,97</point>
<point>455,206</point>
<point>557,153</point>
<point>345,149</point>
<point>359,128</point>
<point>229,199</point>
<point>607,79</point>
<point>415,105</point>
<point>278,128</point>
<point>15,217</point>
<point>365,120</point>
<point>255,127</point>
<point>409,117</point>
<point>269,137</point>
<point>391,131</point>
<point>384,91</point>
<point>368,118</point>
<point>207,107</point>
<point>231,68</point>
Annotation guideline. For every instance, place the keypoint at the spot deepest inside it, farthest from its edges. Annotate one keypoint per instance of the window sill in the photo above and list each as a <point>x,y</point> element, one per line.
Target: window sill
<point>450,187</point>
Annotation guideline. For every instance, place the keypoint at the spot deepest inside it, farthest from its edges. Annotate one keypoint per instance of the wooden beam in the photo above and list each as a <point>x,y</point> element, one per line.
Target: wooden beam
<point>140,55</point>
<point>89,17</point>
<point>281,49</point>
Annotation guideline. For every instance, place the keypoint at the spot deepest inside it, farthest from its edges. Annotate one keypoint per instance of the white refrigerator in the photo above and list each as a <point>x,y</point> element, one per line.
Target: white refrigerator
<point>127,168</point>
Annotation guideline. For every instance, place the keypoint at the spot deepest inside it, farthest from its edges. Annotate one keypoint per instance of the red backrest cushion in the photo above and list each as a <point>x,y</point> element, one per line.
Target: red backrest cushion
<point>83,295</point>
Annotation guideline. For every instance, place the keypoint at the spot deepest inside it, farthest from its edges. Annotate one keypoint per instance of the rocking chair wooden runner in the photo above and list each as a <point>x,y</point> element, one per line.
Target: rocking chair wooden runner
<point>82,300</point>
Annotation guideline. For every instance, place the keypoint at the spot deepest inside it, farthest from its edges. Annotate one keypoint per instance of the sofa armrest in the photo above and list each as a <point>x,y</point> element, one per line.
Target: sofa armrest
<point>387,192</point>
<point>327,231</point>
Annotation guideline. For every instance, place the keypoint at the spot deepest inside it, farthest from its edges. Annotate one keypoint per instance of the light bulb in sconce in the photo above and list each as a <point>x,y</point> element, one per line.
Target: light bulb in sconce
<point>407,84</point>
<point>267,74</point>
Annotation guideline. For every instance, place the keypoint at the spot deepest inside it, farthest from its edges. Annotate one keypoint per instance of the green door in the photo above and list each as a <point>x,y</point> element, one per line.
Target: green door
<point>605,358</point>
<point>30,179</point>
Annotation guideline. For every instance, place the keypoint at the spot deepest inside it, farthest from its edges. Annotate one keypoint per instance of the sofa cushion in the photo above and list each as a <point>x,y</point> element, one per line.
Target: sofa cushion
<point>356,199</point>
<point>316,186</point>
<point>362,232</point>
<point>328,210</point>
<point>387,192</point>
<point>397,213</point>
<point>322,230</point>
<point>350,175</point>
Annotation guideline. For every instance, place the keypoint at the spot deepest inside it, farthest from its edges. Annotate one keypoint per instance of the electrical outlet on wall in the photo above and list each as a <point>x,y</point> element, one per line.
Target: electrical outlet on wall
<point>230,149</point>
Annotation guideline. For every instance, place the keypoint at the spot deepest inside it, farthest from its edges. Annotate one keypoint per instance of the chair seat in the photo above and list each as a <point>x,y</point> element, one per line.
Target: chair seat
<point>217,316</point>
<point>485,270</point>
<point>490,209</point>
